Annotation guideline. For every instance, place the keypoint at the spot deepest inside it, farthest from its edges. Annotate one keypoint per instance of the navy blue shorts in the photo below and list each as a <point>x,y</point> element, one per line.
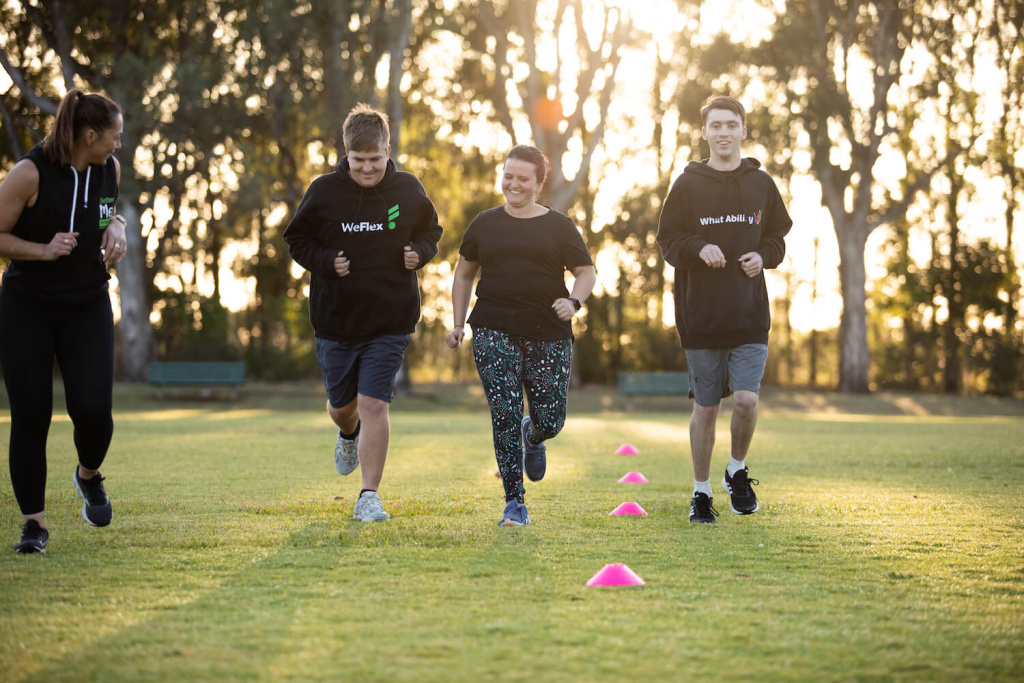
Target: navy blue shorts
<point>361,367</point>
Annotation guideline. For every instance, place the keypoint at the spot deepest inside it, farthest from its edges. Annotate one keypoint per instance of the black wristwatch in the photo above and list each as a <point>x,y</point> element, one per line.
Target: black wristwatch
<point>576,303</point>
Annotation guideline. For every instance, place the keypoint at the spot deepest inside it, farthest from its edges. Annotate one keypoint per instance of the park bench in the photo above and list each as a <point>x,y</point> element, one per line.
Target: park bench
<point>652,383</point>
<point>200,378</point>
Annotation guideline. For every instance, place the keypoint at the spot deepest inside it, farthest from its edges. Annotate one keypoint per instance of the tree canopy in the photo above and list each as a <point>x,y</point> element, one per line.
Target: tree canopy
<point>905,115</point>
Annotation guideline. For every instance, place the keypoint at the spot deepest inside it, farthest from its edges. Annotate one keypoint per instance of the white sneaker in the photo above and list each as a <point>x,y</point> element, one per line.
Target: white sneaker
<point>369,508</point>
<point>346,454</point>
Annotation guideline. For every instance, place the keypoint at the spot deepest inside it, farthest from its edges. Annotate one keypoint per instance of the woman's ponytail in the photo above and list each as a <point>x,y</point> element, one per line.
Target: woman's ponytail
<point>77,113</point>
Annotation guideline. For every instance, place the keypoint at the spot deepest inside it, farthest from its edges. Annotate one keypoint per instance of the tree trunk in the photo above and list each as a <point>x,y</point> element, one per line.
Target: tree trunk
<point>813,379</point>
<point>135,328</point>
<point>854,359</point>
<point>398,41</point>
<point>952,372</point>
<point>400,31</point>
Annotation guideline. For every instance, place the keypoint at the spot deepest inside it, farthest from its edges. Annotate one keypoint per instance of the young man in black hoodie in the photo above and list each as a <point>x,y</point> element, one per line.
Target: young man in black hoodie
<point>722,224</point>
<point>362,232</point>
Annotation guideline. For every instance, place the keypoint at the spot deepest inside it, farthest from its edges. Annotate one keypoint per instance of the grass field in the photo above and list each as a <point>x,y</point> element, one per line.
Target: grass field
<point>889,546</point>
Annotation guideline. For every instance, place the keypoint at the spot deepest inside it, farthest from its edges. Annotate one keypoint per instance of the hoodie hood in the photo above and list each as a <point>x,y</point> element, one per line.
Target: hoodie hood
<point>344,172</point>
<point>747,165</point>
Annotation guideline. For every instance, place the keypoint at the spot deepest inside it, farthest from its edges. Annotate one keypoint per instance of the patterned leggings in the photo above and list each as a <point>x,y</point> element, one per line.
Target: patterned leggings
<point>507,364</point>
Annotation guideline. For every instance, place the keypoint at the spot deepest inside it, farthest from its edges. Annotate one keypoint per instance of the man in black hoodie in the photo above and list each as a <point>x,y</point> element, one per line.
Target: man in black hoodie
<point>722,224</point>
<point>362,232</point>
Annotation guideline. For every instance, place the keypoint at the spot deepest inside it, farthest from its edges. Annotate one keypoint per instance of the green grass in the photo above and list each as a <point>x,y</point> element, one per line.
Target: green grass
<point>888,546</point>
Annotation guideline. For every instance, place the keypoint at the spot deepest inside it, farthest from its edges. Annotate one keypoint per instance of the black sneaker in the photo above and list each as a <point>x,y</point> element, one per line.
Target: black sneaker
<point>96,508</point>
<point>701,509</point>
<point>741,496</point>
<point>535,459</point>
<point>33,538</point>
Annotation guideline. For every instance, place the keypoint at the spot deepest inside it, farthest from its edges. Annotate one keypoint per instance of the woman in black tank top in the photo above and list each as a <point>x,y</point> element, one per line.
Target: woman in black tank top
<point>59,229</point>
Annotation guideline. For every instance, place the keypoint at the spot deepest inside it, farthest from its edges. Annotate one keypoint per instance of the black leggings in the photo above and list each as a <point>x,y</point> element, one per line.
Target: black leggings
<point>506,364</point>
<point>81,338</point>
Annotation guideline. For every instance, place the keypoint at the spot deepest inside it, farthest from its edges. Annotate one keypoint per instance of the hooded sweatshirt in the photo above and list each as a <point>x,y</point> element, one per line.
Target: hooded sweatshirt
<point>372,225</point>
<point>68,200</point>
<point>740,211</point>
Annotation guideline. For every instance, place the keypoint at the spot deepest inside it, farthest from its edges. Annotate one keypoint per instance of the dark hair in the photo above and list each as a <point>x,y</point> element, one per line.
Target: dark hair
<point>531,155</point>
<point>76,114</point>
<point>726,103</point>
<point>365,130</point>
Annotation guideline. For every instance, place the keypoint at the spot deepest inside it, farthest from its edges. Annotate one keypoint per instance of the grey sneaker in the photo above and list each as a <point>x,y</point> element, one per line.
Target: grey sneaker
<point>96,508</point>
<point>535,461</point>
<point>346,453</point>
<point>515,514</point>
<point>369,508</point>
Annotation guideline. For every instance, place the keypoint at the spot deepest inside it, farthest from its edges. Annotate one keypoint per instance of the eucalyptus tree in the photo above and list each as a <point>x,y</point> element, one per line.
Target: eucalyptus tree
<point>526,62</point>
<point>159,61</point>
<point>835,67</point>
<point>1007,33</point>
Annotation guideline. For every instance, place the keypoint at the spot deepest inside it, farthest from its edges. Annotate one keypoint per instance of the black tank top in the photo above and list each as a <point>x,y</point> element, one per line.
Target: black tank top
<point>68,201</point>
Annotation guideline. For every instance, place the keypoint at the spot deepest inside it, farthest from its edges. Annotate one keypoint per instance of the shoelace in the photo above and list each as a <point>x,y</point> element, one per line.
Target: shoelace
<point>741,484</point>
<point>34,533</point>
<point>93,489</point>
<point>703,506</point>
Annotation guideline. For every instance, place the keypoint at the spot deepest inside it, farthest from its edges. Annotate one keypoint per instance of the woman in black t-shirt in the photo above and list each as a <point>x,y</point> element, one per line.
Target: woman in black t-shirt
<point>522,320</point>
<point>59,229</point>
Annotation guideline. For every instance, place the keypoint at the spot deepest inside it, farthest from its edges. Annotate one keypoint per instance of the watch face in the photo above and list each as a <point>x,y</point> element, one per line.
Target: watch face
<point>576,304</point>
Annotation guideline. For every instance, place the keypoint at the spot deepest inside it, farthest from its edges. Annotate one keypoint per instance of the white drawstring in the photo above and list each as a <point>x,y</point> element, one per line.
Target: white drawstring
<point>74,201</point>
<point>85,196</point>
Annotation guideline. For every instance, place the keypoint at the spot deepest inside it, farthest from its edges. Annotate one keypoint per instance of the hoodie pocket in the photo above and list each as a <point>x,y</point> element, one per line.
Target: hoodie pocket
<point>722,302</point>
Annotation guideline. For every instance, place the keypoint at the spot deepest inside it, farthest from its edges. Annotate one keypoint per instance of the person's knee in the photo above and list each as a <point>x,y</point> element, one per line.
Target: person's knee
<point>370,408</point>
<point>706,412</point>
<point>83,412</point>
<point>344,412</point>
<point>745,401</point>
<point>549,427</point>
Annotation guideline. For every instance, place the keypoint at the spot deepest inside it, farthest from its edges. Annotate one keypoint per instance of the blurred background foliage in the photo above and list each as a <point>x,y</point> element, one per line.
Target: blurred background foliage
<point>893,128</point>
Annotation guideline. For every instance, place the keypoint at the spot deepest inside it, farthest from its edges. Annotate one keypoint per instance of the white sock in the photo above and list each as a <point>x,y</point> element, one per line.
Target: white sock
<point>702,487</point>
<point>734,466</point>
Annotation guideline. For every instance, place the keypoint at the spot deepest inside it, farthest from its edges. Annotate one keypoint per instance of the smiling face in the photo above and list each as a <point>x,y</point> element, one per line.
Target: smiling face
<point>367,168</point>
<point>519,183</point>
<point>101,144</point>
<point>724,131</point>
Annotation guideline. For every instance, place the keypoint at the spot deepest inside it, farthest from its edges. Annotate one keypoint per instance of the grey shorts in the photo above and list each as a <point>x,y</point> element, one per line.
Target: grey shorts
<point>716,373</point>
<point>361,367</point>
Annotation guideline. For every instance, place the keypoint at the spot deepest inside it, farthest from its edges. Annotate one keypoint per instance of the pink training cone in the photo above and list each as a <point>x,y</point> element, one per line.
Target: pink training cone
<point>615,575</point>
<point>628,509</point>
<point>627,449</point>
<point>633,478</point>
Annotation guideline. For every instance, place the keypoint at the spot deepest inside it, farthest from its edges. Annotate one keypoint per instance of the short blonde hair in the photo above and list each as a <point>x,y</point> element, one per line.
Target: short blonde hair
<point>365,129</point>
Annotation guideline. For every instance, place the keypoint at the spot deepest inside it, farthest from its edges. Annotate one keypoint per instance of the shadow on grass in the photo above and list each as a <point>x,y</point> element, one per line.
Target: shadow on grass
<point>335,596</point>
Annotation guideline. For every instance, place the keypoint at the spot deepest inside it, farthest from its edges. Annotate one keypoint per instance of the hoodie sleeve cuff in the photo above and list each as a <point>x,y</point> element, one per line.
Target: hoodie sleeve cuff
<point>424,253</point>
<point>327,262</point>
